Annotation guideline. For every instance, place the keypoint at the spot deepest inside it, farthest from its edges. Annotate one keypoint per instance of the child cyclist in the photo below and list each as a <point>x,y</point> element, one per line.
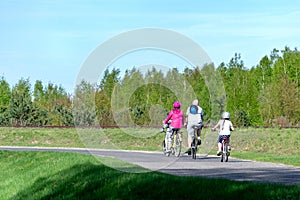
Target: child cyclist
<point>176,117</point>
<point>225,126</point>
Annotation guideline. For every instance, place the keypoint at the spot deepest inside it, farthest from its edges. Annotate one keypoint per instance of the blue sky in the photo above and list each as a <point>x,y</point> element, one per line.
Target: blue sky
<point>49,40</point>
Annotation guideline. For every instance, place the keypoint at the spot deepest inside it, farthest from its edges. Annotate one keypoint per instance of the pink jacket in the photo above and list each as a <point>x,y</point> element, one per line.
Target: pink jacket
<point>176,115</point>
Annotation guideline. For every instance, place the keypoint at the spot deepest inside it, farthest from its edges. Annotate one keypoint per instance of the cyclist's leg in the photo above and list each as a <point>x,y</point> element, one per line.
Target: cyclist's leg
<point>229,147</point>
<point>190,131</point>
<point>219,145</point>
<point>199,134</point>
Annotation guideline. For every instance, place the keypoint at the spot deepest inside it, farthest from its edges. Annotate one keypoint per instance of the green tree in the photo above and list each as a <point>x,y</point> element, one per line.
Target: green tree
<point>20,105</point>
<point>103,96</point>
<point>5,95</point>
<point>124,97</point>
<point>84,108</point>
<point>281,99</point>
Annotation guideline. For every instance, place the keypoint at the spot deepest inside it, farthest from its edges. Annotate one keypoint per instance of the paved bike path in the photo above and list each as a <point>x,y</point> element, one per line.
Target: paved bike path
<point>203,166</point>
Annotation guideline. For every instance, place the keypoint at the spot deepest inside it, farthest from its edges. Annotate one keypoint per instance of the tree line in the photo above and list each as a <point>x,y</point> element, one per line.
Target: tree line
<point>266,94</point>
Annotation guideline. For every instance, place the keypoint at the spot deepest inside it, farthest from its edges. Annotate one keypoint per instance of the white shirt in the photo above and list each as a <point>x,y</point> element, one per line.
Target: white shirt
<point>224,126</point>
<point>194,118</point>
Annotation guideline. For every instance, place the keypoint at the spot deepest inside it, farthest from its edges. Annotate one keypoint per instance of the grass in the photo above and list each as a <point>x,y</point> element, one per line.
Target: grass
<point>51,175</point>
<point>47,137</point>
<point>271,145</point>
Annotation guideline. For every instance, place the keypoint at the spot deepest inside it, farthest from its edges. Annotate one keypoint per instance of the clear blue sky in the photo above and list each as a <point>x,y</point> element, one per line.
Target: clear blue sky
<point>49,40</point>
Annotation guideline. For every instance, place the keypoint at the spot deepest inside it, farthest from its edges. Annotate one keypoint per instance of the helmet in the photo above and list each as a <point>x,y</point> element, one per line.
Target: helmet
<point>177,104</point>
<point>225,115</point>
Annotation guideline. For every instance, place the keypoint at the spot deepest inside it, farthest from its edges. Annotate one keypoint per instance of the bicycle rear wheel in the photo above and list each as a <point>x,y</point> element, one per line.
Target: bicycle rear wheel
<point>226,152</point>
<point>177,147</point>
<point>165,148</point>
<point>194,148</point>
<point>224,156</point>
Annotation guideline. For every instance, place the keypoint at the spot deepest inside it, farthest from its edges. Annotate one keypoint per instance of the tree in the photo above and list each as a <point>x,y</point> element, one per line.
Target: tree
<point>84,109</point>
<point>281,99</point>
<point>20,105</point>
<point>103,96</point>
<point>5,95</point>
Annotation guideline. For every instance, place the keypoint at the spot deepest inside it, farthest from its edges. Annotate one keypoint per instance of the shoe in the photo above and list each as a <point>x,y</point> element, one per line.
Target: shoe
<point>199,142</point>
<point>189,152</point>
<point>162,130</point>
<point>219,153</point>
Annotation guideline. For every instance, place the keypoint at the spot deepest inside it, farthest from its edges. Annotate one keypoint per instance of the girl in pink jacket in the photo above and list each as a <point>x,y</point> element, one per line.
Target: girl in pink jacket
<point>176,117</point>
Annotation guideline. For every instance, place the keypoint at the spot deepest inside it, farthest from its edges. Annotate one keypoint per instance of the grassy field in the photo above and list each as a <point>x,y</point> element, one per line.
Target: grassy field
<point>51,175</point>
<point>272,144</point>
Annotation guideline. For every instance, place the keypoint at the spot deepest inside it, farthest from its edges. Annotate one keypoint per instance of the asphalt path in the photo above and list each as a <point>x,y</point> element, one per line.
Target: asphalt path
<point>203,166</point>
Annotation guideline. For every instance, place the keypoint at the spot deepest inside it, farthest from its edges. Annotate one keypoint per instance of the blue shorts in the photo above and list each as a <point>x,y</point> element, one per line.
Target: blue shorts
<point>221,136</point>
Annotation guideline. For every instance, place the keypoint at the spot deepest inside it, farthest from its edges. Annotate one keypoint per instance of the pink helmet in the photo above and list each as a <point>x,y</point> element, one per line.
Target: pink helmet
<point>177,104</point>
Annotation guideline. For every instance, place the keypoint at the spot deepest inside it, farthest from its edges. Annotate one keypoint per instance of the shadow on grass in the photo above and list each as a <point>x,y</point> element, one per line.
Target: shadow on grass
<point>90,181</point>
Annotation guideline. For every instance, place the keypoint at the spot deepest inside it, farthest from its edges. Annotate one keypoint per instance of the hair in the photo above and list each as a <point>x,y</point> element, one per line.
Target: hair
<point>195,102</point>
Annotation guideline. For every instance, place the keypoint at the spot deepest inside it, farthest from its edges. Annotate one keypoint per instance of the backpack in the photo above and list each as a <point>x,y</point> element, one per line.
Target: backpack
<point>194,109</point>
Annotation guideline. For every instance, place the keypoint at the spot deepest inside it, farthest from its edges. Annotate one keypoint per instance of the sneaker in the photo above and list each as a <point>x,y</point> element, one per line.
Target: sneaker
<point>229,148</point>
<point>199,142</point>
<point>219,153</point>
<point>162,130</point>
<point>189,152</point>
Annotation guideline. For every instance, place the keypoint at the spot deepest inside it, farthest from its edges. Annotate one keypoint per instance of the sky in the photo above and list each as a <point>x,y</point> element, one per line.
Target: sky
<point>50,40</point>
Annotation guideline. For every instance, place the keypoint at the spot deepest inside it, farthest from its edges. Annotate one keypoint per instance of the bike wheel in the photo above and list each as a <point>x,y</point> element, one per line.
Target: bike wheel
<point>226,153</point>
<point>223,152</point>
<point>177,148</point>
<point>164,148</point>
<point>194,149</point>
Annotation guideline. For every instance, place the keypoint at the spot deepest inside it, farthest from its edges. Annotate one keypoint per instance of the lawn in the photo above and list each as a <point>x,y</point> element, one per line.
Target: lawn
<point>52,175</point>
<point>271,144</point>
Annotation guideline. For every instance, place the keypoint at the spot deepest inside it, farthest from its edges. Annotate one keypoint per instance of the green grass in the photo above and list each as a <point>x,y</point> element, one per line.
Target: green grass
<point>51,175</point>
<point>271,145</point>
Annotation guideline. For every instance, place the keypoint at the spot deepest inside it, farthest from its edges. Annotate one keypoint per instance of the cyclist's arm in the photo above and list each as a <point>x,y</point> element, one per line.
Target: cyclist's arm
<point>216,126</point>
<point>231,127</point>
<point>201,114</point>
<point>168,117</point>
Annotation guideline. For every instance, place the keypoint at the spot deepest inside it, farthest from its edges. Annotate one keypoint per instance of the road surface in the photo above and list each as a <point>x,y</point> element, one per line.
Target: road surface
<point>203,166</point>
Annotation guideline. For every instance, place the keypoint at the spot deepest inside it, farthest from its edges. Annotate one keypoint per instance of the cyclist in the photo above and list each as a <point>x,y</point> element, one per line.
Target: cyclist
<point>176,117</point>
<point>225,126</point>
<point>194,117</point>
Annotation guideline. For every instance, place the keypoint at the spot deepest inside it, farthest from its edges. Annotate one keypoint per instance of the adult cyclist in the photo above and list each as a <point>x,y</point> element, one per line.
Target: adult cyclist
<point>194,117</point>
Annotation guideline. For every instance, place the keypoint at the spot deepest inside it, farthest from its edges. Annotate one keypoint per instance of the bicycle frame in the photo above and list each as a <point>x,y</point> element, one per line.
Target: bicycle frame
<point>173,147</point>
<point>194,145</point>
<point>225,152</point>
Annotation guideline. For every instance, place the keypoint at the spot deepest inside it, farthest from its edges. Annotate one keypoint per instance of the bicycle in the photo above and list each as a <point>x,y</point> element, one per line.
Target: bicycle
<point>194,144</point>
<point>174,146</point>
<point>225,150</point>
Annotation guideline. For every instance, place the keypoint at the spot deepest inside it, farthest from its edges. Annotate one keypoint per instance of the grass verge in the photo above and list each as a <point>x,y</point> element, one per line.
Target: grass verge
<point>271,145</point>
<point>51,175</point>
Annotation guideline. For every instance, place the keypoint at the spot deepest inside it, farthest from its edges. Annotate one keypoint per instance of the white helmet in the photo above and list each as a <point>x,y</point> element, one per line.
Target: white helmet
<point>225,115</point>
